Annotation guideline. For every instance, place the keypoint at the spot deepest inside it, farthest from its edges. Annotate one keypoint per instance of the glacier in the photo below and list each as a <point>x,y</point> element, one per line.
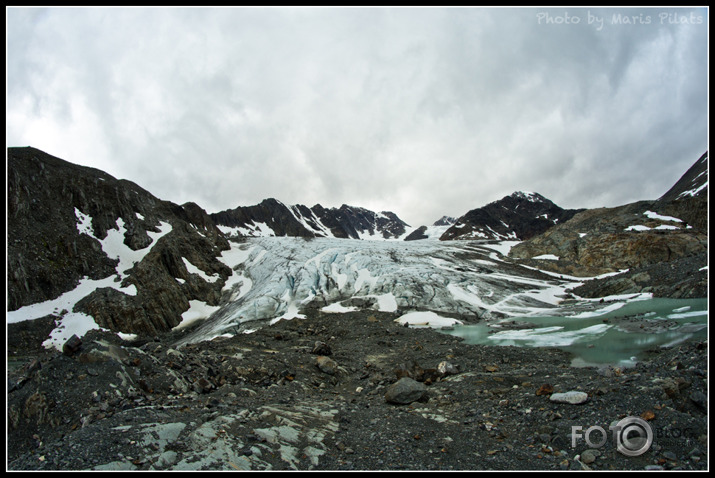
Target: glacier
<point>276,278</point>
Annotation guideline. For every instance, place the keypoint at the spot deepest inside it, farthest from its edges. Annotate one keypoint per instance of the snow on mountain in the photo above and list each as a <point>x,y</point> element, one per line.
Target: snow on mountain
<point>79,323</point>
<point>275,278</point>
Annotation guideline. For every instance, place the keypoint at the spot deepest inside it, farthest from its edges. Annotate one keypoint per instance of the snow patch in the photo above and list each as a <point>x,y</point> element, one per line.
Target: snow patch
<point>195,270</point>
<point>548,257</point>
<point>427,319</point>
<point>654,215</point>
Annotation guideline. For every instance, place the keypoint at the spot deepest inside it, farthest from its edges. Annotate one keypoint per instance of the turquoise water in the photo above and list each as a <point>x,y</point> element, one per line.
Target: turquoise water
<point>616,337</point>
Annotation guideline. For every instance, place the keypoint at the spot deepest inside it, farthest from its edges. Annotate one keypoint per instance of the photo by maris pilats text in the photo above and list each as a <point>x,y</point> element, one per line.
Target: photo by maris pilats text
<point>599,20</point>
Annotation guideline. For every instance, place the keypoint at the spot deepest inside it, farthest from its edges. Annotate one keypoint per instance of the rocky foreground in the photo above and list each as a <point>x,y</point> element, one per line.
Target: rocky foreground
<point>320,393</point>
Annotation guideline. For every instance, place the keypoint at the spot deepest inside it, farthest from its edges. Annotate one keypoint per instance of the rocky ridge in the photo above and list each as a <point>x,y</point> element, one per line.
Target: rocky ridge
<point>663,253</point>
<point>273,218</point>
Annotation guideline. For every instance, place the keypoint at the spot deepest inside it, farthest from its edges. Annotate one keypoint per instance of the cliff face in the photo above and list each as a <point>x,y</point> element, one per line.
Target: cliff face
<point>67,222</point>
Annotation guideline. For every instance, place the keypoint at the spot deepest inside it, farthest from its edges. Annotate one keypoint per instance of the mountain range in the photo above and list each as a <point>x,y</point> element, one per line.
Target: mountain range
<point>136,263</point>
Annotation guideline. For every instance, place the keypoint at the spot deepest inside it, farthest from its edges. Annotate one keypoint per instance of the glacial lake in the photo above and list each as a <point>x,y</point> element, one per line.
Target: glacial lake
<point>615,337</point>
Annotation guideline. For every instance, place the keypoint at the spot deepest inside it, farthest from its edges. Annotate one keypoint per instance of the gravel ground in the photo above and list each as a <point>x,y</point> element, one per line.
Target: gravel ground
<point>311,394</point>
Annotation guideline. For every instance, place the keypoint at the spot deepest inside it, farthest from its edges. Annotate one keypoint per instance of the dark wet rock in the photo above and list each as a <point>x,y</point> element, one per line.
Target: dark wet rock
<point>519,216</point>
<point>72,345</point>
<point>48,255</point>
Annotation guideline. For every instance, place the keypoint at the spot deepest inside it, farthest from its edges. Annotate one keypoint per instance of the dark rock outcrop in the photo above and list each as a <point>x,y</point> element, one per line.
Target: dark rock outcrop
<point>417,234</point>
<point>48,254</point>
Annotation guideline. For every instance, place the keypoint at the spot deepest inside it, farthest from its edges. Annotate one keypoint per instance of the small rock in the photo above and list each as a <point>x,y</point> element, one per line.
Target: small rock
<point>405,391</point>
<point>699,399</point>
<point>648,415</point>
<point>545,389</point>
<point>491,368</point>
<point>321,348</point>
<point>430,375</point>
<point>445,368</point>
<point>202,386</point>
<point>589,456</point>
<point>669,455</point>
<point>72,345</point>
<point>572,397</point>
<point>326,365</point>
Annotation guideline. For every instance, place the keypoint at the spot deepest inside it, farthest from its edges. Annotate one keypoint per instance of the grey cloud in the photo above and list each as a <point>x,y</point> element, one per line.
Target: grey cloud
<point>422,111</point>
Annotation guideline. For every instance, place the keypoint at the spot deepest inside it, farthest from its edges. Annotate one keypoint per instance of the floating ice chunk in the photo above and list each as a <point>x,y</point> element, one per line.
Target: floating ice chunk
<point>553,336</point>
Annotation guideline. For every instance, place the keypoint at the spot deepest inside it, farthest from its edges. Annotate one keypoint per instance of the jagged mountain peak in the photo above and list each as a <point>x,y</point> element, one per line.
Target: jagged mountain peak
<point>445,221</point>
<point>274,218</point>
<point>519,216</point>
<point>529,196</point>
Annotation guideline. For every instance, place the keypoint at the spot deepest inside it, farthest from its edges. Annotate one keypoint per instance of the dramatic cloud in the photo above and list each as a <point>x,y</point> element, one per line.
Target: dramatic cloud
<point>422,111</point>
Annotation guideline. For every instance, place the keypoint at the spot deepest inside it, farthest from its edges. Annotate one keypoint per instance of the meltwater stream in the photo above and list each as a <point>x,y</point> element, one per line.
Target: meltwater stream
<point>616,337</point>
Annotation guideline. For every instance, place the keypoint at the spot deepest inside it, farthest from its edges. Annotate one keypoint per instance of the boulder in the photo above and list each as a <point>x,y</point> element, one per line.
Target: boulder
<point>405,391</point>
<point>573,397</point>
<point>326,365</point>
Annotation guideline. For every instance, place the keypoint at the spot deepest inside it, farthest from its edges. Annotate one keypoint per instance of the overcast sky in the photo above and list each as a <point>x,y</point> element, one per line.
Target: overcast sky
<point>421,111</point>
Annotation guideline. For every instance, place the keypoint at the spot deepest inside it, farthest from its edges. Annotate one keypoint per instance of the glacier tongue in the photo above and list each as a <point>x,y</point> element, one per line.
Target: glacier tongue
<point>276,277</point>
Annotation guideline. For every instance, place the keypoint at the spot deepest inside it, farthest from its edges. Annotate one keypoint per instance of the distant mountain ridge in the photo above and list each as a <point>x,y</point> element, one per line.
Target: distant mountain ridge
<point>517,217</point>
